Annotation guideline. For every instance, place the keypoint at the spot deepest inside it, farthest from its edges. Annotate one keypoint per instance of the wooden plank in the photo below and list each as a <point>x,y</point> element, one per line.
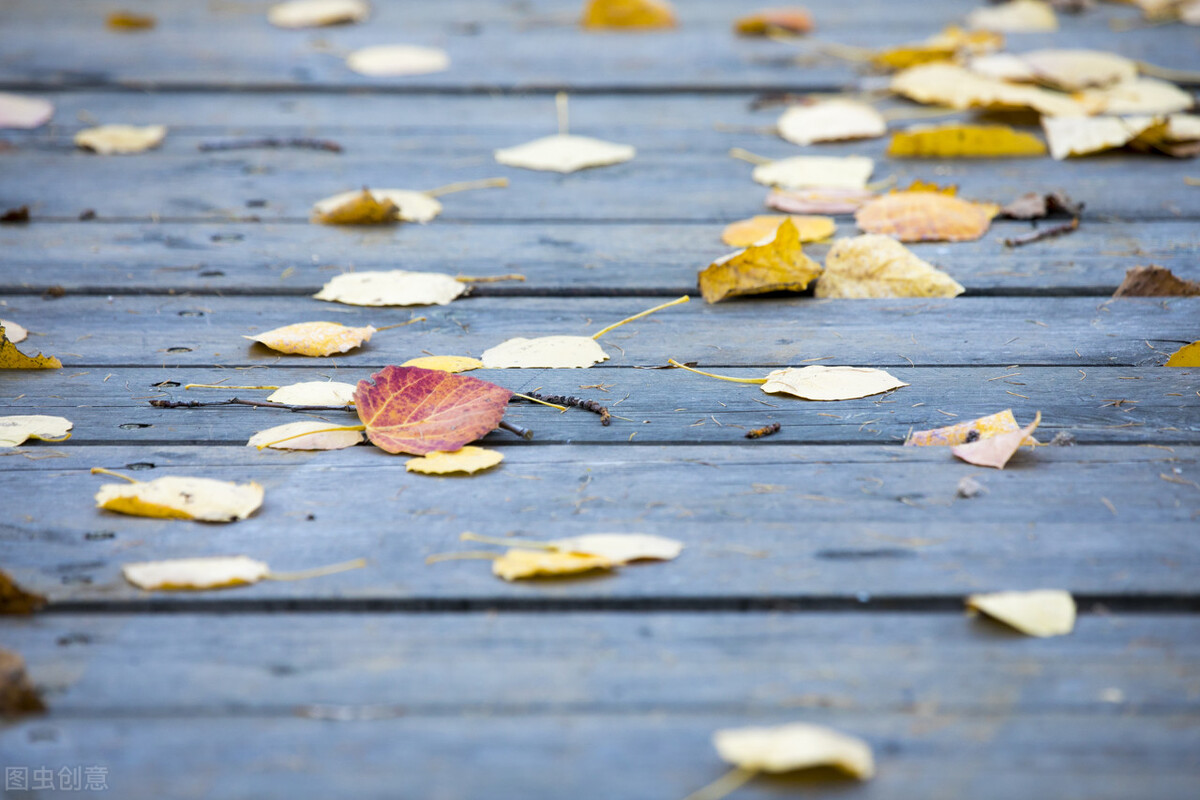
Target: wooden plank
<point>1103,405</point>
<point>122,258</point>
<point>762,525</point>
<point>94,331</point>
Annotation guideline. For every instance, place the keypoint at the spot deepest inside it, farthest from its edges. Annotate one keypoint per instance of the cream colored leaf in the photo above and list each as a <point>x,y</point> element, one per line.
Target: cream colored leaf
<point>957,87</point>
<point>411,206</point>
<point>314,338</point>
<point>796,746</point>
<point>1043,612</point>
<point>776,265</point>
<point>121,139</point>
<point>16,430</point>
<point>518,564</point>
<point>746,232</point>
<point>317,13</point>
<point>1002,66</point>
<point>830,121</point>
<point>314,393</point>
<point>1180,128</point>
<point>468,459</point>
<point>878,266</point>
<point>392,288</point>
<point>394,60</point>
<point>201,499</point>
<point>1017,16</point>
<point>549,352</point>
<point>13,331</point>
<point>216,572</point>
<point>1141,96</point>
<point>1079,136</point>
<point>622,548</point>
<point>362,207</point>
<point>801,172</point>
<point>306,435</point>
<point>830,383</point>
<point>451,364</point>
<point>1073,70</point>
<point>18,111</point>
<point>565,153</point>
<point>995,451</point>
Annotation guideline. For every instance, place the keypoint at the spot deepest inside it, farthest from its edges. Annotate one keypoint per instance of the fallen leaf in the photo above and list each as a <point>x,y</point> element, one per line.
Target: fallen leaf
<point>392,288</point>
<point>603,14</point>
<point>356,208</point>
<point>1017,16</point>
<point>779,265</point>
<point>445,363</point>
<point>564,153</point>
<point>831,121</point>
<point>13,331</point>
<point>216,572</point>
<point>995,451</point>
<point>951,43</point>
<point>802,172</point>
<point>879,266</point>
<point>1155,281</point>
<point>314,338</point>
<point>746,232</point>
<point>1043,612</point>
<point>1079,136</point>
<point>12,358</point>
<point>1074,70</point>
<point>306,435</point>
<point>518,564</point>
<point>830,383</point>
<point>129,21</point>
<point>394,60</point>
<point>465,459</point>
<point>957,140</point>
<point>1141,96</point>
<point>201,499</point>
<point>924,216</point>
<point>819,201</point>
<point>317,13</point>
<point>314,393</point>
<point>549,352</point>
<point>16,430</point>
<point>19,214</point>
<point>957,87</point>
<point>121,139</point>
<point>965,432</point>
<point>417,411</point>
<point>1186,356</point>
<point>17,694</point>
<point>774,21</point>
<point>17,111</point>
<point>15,600</point>
<point>1038,206</point>
<point>1003,66</point>
<point>785,748</point>
<point>621,548</point>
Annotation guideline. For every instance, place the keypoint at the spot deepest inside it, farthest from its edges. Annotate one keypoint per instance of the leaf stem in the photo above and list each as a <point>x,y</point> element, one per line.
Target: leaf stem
<point>466,186</point>
<point>724,785</point>
<point>317,572</point>
<point>647,312</point>
<point>400,324</point>
<point>103,471</point>
<point>312,433</point>
<point>464,555</point>
<point>747,156</point>
<point>467,536</point>
<point>560,106</point>
<point>675,363</point>
<point>225,386</point>
<point>489,279</point>
<point>536,400</point>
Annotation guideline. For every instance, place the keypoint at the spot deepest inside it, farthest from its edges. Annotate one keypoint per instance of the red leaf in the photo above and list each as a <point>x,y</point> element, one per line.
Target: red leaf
<point>417,411</point>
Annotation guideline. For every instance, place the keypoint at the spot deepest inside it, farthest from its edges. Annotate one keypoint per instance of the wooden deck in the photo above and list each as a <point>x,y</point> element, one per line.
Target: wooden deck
<point>825,566</point>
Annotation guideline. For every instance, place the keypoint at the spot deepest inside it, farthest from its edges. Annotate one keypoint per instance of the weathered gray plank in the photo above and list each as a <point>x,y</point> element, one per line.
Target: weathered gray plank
<point>1097,405</point>
<point>775,522</point>
<point>93,331</point>
<point>121,258</point>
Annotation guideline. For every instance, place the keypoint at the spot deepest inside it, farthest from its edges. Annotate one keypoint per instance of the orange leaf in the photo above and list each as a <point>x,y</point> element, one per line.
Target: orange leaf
<point>774,20</point>
<point>924,216</point>
<point>417,411</point>
<point>628,14</point>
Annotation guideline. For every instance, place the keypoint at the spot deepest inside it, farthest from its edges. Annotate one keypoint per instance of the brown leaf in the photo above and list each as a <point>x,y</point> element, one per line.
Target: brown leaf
<point>1155,281</point>
<point>1038,206</point>
<point>15,600</point>
<point>17,695</point>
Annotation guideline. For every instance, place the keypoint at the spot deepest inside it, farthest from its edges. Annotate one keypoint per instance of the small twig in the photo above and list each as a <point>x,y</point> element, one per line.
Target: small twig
<point>765,430</point>
<point>1044,233</point>
<point>237,401</point>
<point>524,433</point>
<point>301,142</point>
<point>576,402</point>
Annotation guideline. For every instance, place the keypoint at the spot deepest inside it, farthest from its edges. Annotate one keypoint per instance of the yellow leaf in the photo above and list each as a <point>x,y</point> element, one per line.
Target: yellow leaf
<point>600,14</point>
<point>1186,356</point>
<point>550,352</point>
<point>830,383</point>
<point>314,338</point>
<point>774,22</point>
<point>796,746</point>
<point>829,121</point>
<point>201,499</point>
<point>1141,96</point>
<point>16,430</point>
<point>355,208</point>
<point>1043,612</point>
<point>451,364</point>
<point>317,13</point>
<point>924,216</point>
<point>394,60</point>
<point>801,172</point>
<point>995,451</point>
<point>948,44</point>
<point>468,459</point>
<point>306,435</point>
<point>1080,136</point>
<point>776,266</point>
<point>928,186</point>
<point>964,432</point>
<point>128,21</point>
<point>1073,70</point>
<point>621,548</point>
<point>16,600</point>
<point>956,87</point>
<point>12,358</point>
<point>392,288</point>
<point>121,139</point>
<point>517,564</point>
<point>1017,16</point>
<point>564,153</point>
<point>746,232</point>
<point>879,266</point>
<point>957,140</point>
<point>13,331</point>
<point>314,393</point>
<point>215,572</point>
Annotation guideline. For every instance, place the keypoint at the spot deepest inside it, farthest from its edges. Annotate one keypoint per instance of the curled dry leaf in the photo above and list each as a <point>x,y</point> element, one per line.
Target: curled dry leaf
<point>830,121</point>
<point>356,208</point>
<point>18,111</point>
<point>1079,136</point>
<point>465,459</point>
<point>200,499</point>
<point>818,201</point>
<point>306,435</point>
<point>1155,281</point>
<point>16,430</point>
<point>830,383</point>
<point>314,393</point>
<point>395,60</point>
<point>926,217</point>
<point>564,152</point>
<point>13,331</point>
<point>803,172</point>
<point>796,746</point>
<point>619,14</point>
<point>995,451</point>
<point>1186,356</point>
<point>957,140</point>
<point>621,548</point>
<point>314,338</point>
<point>1042,612</point>
<point>746,232</point>
<point>392,288</point>
<point>15,600</point>
<point>216,572</point>
<point>17,694</point>
<point>778,265</point>
<point>445,363</point>
<point>317,13</point>
<point>1037,206</point>
<point>964,432</point>
<point>518,564</point>
<point>1074,70</point>
<point>121,139</point>
<point>774,21</point>
<point>418,411</point>
<point>549,352</point>
<point>1141,96</point>
<point>957,87</point>
<point>12,358</point>
<point>1017,16</point>
<point>879,266</point>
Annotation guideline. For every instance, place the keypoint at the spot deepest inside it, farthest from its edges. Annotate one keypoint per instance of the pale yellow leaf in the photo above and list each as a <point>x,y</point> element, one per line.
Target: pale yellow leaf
<point>785,748</point>
<point>564,153</point>
<point>395,60</point>
<point>314,338</point>
<point>957,87</point>
<point>1002,66</point>
<point>445,363</point>
<point>924,214</point>
<point>317,13</point>
<point>201,499</point>
<point>621,548</point>
<point>778,265</point>
<point>16,430</point>
<point>550,352</point>
<point>468,459</point>
<point>801,172</point>
<point>818,382</point>
<point>518,564</point>
<point>1141,96</point>
<point>1042,612</point>
<point>18,111</point>
<point>972,430</point>
<point>215,572</point>
<point>746,232</point>
<point>995,451</point>
<point>314,393</point>
<point>879,266</point>
<point>13,331</point>
<point>1079,136</point>
<point>1017,16</point>
<point>392,288</point>
<point>830,121</point>
<point>305,435</point>
<point>1180,128</point>
<point>410,206</point>
<point>121,139</point>
<point>1073,70</point>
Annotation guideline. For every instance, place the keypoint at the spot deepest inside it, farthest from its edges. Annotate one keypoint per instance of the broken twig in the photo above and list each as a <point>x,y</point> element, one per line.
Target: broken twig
<point>575,402</point>
<point>1044,233</point>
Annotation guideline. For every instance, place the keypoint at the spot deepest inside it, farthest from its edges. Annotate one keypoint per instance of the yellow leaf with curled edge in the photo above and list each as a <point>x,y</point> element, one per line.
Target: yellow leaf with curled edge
<point>392,288</point>
<point>200,499</point>
<point>549,352</point>
<point>305,435</point>
<point>217,572</point>
<point>1042,612</point>
<point>314,338</point>
<point>818,382</point>
<point>997,450</point>
<point>517,564</point>
<point>926,216</point>
<point>628,14</point>
<point>778,265</point>
<point>17,430</point>
<point>314,393</point>
<point>12,358</point>
<point>13,331</point>
<point>957,140</point>
<point>395,60</point>
<point>452,364</point>
<point>1017,16</point>
<point>468,459</point>
<point>965,432</point>
<point>121,139</point>
<point>621,548</point>
<point>1141,96</point>
<point>946,45</point>
<point>1186,356</point>
<point>317,13</point>
<point>831,121</point>
<point>786,748</point>
<point>746,232</point>
<point>879,266</point>
<point>1081,136</point>
<point>957,87</point>
<point>801,172</point>
<point>1073,70</point>
<point>355,208</point>
<point>564,152</point>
